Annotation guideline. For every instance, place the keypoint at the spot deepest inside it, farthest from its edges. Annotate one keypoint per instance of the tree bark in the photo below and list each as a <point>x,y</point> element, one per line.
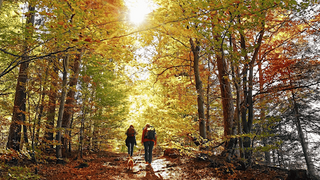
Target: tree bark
<point>41,108</point>
<point>202,123</point>
<point>62,102</point>
<point>309,163</point>
<point>262,115</point>
<point>52,106</point>
<point>19,108</point>
<point>236,82</point>
<point>226,98</point>
<point>247,105</point>
<point>68,109</point>
<point>208,105</point>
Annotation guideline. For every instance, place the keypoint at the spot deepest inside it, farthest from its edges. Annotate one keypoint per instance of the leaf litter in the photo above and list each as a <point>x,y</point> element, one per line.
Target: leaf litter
<point>111,165</point>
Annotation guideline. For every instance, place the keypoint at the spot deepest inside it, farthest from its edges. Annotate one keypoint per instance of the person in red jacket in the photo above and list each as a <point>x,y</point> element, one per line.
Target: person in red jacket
<point>148,145</point>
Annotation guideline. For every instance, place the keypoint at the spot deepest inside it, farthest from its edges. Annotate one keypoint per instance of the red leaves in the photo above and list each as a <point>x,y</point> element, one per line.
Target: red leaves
<point>88,39</point>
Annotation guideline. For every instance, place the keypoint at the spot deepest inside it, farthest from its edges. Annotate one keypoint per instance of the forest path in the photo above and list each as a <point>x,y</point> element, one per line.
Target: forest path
<point>113,166</point>
<point>160,168</point>
<point>109,165</point>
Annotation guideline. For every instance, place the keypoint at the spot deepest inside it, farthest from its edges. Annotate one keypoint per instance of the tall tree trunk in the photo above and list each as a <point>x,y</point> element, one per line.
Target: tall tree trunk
<point>208,104</point>
<point>227,101</point>
<point>262,115</point>
<point>90,106</point>
<point>309,163</point>
<point>19,108</point>
<point>83,118</point>
<point>62,102</point>
<point>70,133</point>
<point>52,106</point>
<point>202,123</point>
<point>41,108</point>
<point>226,98</point>
<point>68,110</point>
<point>82,131</point>
<point>236,82</point>
<point>247,105</point>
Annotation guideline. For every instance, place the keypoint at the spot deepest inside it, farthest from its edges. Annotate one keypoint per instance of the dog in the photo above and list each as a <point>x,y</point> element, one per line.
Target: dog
<point>130,163</point>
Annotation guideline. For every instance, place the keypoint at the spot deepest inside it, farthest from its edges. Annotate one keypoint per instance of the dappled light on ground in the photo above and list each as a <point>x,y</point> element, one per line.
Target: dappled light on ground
<point>110,165</point>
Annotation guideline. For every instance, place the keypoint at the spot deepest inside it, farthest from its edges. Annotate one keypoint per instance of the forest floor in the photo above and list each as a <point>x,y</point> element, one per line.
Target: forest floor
<point>110,165</point>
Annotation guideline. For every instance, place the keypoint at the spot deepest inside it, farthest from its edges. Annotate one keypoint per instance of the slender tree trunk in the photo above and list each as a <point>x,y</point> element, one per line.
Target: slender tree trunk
<point>70,100</point>
<point>19,108</point>
<point>208,104</point>
<point>61,108</point>
<point>41,108</point>
<point>310,166</point>
<point>309,163</point>
<point>82,132</point>
<point>83,118</point>
<point>262,115</point>
<point>236,82</point>
<point>90,106</point>
<point>247,105</point>
<point>202,123</point>
<point>52,107</point>
<point>70,133</point>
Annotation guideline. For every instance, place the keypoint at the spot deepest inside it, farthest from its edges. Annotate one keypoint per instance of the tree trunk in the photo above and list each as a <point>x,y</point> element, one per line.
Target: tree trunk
<point>83,118</point>
<point>226,98</point>
<point>41,108</point>
<point>52,106</point>
<point>236,82</point>
<point>70,132</point>
<point>262,115</point>
<point>309,163</point>
<point>247,105</point>
<point>68,109</point>
<point>19,108</point>
<point>202,123</point>
<point>208,105</point>
<point>61,108</point>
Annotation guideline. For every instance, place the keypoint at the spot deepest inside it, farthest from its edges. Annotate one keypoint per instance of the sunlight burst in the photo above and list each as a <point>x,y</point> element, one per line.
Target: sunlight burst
<point>138,9</point>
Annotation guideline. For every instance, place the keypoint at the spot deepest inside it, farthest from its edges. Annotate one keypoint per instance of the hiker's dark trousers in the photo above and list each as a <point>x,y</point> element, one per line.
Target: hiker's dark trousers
<point>148,146</point>
<point>130,148</point>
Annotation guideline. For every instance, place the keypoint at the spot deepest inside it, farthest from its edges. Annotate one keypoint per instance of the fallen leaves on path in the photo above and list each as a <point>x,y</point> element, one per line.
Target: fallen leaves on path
<point>110,165</point>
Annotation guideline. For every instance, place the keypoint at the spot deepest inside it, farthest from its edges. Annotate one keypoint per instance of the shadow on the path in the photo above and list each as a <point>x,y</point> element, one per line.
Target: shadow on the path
<point>150,174</point>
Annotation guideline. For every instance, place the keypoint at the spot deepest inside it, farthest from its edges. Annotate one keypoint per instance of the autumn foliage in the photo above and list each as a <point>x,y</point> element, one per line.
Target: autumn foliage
<point>235,79</point>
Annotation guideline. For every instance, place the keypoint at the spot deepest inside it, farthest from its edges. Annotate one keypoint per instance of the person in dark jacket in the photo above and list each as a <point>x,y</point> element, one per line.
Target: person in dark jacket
<point>148,145</point>
<point>131,139</point>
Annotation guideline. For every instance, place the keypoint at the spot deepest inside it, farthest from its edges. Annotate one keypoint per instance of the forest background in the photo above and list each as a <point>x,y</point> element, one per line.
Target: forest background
<point>237,78</point>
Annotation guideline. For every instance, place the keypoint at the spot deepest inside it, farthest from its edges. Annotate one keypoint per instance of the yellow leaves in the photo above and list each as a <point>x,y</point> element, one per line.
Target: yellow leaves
<point>45,13</point>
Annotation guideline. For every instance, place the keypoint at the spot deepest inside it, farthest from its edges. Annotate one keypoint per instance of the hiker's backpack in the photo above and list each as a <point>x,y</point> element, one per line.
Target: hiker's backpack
<point>151,133</point>
<point>130,132</point>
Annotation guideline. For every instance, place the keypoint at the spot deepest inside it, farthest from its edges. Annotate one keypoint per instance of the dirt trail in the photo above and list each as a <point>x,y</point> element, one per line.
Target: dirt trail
<point>108,165</point>
<point>161,168</point>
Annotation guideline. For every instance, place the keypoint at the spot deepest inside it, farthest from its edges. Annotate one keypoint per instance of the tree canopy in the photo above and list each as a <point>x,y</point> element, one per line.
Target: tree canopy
<point>238,78</point>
